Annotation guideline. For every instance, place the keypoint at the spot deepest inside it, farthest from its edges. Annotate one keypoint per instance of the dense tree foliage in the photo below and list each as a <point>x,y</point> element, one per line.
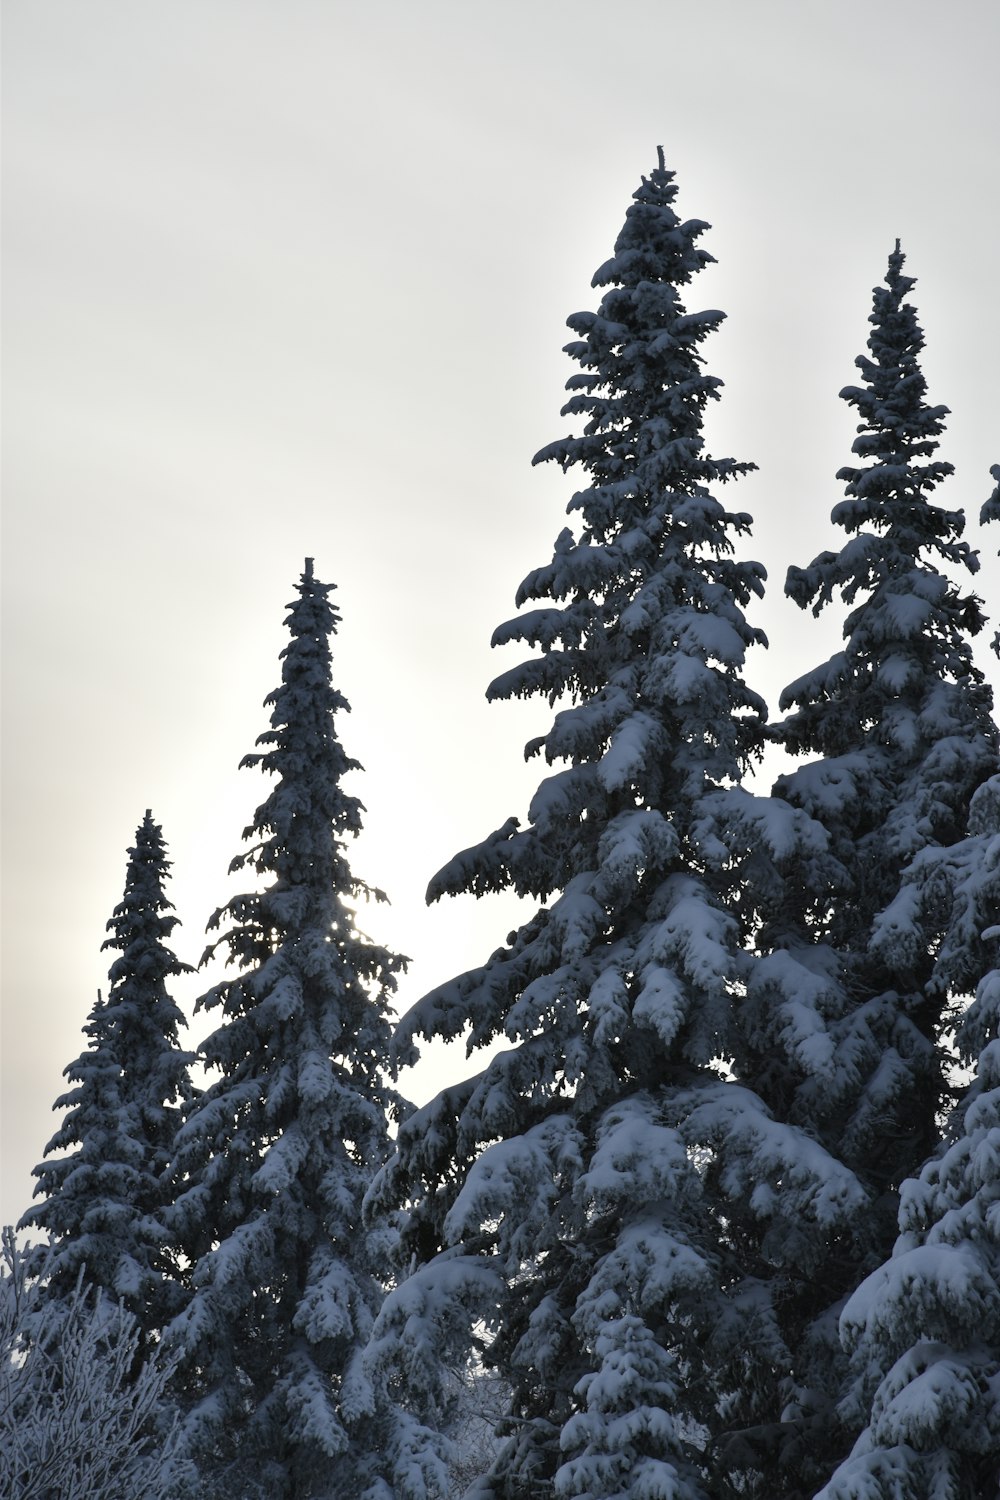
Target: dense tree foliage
<point>924,1328</point>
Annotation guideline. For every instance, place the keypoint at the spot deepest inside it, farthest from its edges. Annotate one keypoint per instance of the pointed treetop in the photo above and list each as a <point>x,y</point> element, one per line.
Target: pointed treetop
<point>660,181</point>
<point>308,570</point>
<point>898,430</point>
<point>898,286</point>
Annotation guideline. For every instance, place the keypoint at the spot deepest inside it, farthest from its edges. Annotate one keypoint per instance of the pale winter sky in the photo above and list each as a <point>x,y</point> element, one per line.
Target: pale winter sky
<point>291,279</point>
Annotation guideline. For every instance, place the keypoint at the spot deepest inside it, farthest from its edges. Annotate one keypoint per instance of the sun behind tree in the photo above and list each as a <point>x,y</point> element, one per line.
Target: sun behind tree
<point>276,1157</point>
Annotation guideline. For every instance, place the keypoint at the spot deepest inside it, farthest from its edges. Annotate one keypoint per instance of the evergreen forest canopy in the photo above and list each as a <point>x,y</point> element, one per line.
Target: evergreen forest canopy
<point>720,1217</point>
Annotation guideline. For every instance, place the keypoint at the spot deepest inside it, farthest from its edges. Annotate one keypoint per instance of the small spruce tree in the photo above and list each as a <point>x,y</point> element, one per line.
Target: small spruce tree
<point>275,1157</point>
<point>104,1183</point>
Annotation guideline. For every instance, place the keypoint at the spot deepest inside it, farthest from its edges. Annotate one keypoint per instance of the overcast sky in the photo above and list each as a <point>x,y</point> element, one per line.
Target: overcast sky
<point>290,279</point>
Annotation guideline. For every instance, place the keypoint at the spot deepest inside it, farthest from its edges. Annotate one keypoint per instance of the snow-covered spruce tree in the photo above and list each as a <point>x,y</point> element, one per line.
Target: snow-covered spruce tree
<point>845,1019</point>
<point>561,1205</point>
<point>275,1157</point>
<point>925,1327</point>
<point>104,1196</point>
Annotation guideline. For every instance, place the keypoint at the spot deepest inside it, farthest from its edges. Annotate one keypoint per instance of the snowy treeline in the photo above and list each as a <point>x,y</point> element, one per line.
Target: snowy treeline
<point>720,1216</point>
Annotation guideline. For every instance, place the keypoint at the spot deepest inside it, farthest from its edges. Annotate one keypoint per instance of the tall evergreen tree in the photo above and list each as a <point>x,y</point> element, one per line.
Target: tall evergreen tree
<point>845,1019</point>
<point>104,1196</point>
<point>276,1155</point>
<point>567,1201</point>
<point>923,1328</point>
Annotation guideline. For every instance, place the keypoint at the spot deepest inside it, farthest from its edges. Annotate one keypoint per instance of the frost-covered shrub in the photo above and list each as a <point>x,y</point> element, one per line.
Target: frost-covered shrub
<point>84,1415</point>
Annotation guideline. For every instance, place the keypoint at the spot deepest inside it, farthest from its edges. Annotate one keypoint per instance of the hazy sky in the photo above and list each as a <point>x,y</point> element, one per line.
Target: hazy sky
<point>289,279</point>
